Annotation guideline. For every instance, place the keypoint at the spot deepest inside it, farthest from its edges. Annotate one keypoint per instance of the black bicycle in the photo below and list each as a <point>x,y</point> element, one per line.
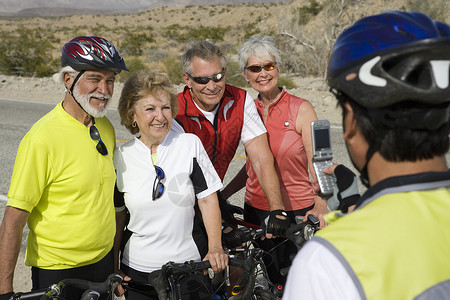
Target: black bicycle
<point>253,282</point>
<point>165,283</point>
<point>298,233</point>
<point>93,290</point>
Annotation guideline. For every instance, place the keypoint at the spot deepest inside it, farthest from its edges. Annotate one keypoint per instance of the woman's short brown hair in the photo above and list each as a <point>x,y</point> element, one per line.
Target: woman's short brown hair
<point>140,85</point>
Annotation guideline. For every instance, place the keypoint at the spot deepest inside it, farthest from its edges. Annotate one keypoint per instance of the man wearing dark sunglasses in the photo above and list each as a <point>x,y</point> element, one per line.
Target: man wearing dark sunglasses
<point>63,179</point>
<point>222,116</point>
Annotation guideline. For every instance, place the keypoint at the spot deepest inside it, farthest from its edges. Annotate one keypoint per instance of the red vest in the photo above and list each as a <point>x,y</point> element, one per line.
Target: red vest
<point>220,139</point>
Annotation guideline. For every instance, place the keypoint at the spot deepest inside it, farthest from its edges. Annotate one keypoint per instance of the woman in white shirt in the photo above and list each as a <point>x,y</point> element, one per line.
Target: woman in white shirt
<point>161,174</point>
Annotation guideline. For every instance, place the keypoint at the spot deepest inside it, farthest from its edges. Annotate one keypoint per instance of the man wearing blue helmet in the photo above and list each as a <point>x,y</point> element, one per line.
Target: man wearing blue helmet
<point>63,180</point>
<point>390,74</point>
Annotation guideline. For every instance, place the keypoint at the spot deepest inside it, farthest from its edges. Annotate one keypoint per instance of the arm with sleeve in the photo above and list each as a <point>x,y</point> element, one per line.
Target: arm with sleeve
<point>316,273</point>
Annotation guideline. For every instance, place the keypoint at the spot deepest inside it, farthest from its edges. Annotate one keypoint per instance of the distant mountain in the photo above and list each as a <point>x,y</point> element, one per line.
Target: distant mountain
<point>47,8</point>
<point>26,7</point>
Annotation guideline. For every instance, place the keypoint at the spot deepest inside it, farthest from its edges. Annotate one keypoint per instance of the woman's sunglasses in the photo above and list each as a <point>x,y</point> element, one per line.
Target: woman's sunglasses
<point>95,135</point>
<point>205,79</point>
<point>158,186</point>
<point>257,69</point>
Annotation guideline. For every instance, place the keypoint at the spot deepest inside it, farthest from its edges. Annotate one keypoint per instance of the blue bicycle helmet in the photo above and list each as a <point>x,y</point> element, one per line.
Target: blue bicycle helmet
<point>92,53</point>
<point>390,58</point>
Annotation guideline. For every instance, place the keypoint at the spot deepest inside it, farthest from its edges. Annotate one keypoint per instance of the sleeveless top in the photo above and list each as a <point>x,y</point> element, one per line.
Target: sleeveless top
<point>289,153</point>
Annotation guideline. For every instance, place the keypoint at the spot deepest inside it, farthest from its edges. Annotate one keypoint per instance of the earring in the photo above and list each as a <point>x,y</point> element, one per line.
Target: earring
<point>134,124</point>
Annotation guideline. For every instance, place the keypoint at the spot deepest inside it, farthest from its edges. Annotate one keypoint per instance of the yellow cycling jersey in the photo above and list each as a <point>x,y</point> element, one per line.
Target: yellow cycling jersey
<point>67,186</point>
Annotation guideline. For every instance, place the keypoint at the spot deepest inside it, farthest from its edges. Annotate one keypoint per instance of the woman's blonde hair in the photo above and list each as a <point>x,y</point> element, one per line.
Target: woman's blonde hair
<point>140,85</point>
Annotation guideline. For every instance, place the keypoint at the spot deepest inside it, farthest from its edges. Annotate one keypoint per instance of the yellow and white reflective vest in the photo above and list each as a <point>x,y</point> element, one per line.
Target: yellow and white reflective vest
<point>396,245</point>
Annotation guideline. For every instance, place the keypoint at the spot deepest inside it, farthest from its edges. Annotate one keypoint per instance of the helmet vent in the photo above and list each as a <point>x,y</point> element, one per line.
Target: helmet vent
<point>409,69</point>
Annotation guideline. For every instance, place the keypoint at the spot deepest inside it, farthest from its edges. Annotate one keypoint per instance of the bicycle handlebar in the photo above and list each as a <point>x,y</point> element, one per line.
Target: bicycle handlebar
<point>159,281</point>
<point>90,288</point>
<point>102,287</point>
<point>303,231</point>
<point>28,295</point>
<point>297,233</point>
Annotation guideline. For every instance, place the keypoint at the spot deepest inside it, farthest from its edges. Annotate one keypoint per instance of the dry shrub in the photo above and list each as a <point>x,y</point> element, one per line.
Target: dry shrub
<point>306,52</point>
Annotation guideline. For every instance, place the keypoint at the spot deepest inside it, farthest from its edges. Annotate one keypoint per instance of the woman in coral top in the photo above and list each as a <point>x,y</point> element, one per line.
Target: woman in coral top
<point>287,119</point>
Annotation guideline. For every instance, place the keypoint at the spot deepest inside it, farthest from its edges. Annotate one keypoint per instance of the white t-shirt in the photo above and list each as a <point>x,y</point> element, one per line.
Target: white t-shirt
<point>316,273</point>
<point>162,229</point>
<point>252,127</point>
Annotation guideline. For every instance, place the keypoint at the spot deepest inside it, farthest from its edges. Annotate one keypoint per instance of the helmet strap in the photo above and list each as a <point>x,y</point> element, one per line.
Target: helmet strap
<point>75,81</point>
<point>364,173</point>
<point>73,86</point>
<point>364,176</point>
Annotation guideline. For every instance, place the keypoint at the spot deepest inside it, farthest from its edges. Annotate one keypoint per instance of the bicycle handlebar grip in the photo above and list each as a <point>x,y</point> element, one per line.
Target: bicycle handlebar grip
<point>294,234</point>
<point>101,287</point>
<point>158,281</point>
<point>201,265</point>
<point>28,295</point>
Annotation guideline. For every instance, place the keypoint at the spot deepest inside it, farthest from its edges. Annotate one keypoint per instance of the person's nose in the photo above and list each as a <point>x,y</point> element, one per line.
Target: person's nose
<point>264,73</point>
<point>211,85</point>
<point>102,87</point>
<point>159,115</point>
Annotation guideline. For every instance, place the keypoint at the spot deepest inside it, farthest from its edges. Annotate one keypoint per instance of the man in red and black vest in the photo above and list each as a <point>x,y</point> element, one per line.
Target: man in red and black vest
<point>221,116</point>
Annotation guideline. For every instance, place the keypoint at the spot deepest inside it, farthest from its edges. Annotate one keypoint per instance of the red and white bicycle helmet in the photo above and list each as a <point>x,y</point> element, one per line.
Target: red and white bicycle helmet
<point>92,53</point>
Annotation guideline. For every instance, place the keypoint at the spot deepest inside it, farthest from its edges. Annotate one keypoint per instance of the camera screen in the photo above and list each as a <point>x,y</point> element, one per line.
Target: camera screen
<point>322,139</point>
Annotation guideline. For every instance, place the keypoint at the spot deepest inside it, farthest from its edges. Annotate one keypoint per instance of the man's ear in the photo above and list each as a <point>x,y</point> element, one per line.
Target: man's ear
<point>187,81</point>
<point>68,80</point>
<point>350,127</point>
<point>357,145</point>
